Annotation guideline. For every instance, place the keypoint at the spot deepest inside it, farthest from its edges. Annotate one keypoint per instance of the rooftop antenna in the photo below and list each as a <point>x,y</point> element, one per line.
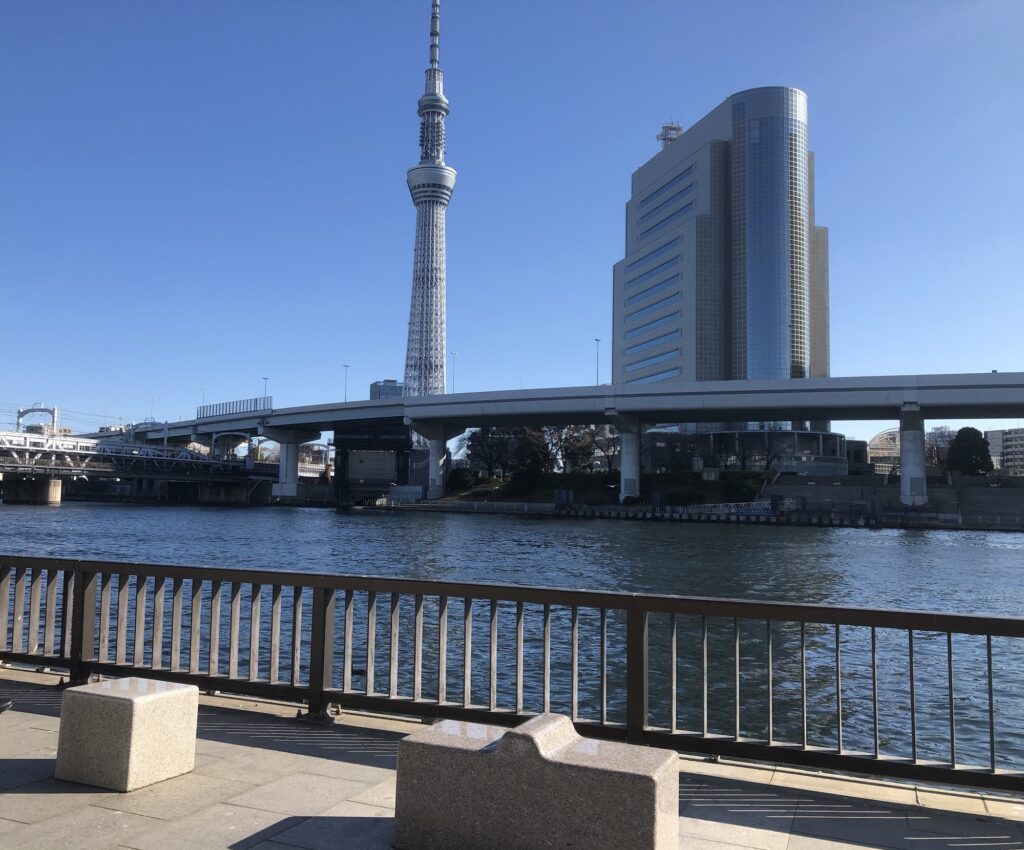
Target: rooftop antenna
<point>669,133</point>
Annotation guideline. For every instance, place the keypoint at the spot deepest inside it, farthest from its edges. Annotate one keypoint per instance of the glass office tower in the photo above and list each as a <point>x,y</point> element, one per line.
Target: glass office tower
<point>726,274</point>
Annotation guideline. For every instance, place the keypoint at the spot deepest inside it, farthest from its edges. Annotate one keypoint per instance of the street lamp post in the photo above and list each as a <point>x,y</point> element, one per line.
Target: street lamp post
<point>265,387</point>
<point>597,361</point>
<point>345,366</point>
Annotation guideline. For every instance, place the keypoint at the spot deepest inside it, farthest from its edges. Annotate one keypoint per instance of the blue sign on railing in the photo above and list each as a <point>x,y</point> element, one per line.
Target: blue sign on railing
<point>230,408</point>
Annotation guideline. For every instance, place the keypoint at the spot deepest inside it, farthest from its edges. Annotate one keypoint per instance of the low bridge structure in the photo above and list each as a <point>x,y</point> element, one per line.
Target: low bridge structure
<point>910,399</point>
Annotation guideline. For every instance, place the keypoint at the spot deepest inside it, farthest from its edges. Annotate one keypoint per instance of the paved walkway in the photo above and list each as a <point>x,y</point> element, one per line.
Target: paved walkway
<point>264,780</point>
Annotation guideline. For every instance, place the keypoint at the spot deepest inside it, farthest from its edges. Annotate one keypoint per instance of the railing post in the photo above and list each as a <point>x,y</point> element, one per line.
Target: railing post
<point>636,672</point>
<point>83,626</point>
<point>321,651</point>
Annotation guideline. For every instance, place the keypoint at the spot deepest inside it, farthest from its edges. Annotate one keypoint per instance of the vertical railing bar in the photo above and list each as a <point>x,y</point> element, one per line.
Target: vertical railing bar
<point>104,635</point>
<point>736,675</point>
<point>49,626</point>
<point>371,640</point>
<point>519,658</point>
<point>547,657</point>
<point>236,619</point>
<point>255,590</point>
<point>672,675</point>
<point>704,674</point>
<point>417,648</point>
<point>195,617</point>
<point>122,618</point>
<point>604,666</point>
<point>18,626</point>
<point>139,642</point>
<point>296,635</point>
<point>803,683</point>
<point>913,699</point>
<point>34,595</point>
<point>839,696</point>
<point>467,652</point>
<point>492,677</point>
<point>636,672</point>
<point>156,652</point>
<point>768,665</point>
<point>442,650</point>
<point>575,662</point>
<point>213,661</point>
<point>346,672</point>
<point>396,609</point>
<point>275,632</point>
<point>176,604</point>
<point>991,707</point>
<point>67,613</point>
<point>5,601</point>
<point>952,704</point>
<point>874,689</point>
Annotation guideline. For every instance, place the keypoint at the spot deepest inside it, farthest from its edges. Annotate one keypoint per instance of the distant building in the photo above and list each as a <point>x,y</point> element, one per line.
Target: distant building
<point>1008,446</point>
<point>388,388</point>
<point>884,451</point>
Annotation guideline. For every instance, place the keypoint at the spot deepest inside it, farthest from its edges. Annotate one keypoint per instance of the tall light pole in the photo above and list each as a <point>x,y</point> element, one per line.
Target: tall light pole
<point>204,396</point>
<point>597,362</point>
<point>345,366</point>
<point>265,386</point>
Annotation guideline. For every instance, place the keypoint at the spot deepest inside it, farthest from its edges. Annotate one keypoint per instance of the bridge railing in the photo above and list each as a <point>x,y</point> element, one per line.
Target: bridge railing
<point>899,693</point>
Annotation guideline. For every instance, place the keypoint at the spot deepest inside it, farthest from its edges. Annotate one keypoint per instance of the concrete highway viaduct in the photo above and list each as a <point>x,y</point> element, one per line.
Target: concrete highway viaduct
<point>909,399</point>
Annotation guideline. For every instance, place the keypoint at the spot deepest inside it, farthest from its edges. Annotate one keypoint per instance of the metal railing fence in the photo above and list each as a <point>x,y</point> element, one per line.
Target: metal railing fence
<point>901,693</point>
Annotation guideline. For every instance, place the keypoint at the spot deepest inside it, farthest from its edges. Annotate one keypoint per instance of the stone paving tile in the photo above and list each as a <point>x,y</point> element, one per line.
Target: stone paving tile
<point>17,742</point>
<point>738,813</point>
<point>176,798</point>
<point>867,789</point>
<point>302,794</point>
<point>86,828</point>
<point>347,825</point>
<point>852,821</point>
<point>959,801</point>
<point>30,767</point>
<point>382,795</point>
<point>925,824</point>
<point>46,798</point>
<point>218,826</point>
<point>1010,809</point>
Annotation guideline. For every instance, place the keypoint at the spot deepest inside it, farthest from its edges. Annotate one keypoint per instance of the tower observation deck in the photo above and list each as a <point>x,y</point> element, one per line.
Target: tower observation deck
<point>431,183</point>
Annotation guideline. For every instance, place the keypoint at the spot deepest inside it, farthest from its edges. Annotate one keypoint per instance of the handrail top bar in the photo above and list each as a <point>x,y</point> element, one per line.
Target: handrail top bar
<point>995,625</point>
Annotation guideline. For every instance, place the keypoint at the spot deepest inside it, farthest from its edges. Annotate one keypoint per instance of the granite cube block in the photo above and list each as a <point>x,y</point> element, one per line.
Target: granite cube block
<point>124,734</point>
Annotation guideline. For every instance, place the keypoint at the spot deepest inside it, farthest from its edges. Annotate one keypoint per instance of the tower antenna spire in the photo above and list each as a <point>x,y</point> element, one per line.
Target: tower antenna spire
<point>435,33</point>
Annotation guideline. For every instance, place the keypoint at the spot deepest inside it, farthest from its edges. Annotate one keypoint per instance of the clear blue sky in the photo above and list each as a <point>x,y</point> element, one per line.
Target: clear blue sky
<point>198,194</point>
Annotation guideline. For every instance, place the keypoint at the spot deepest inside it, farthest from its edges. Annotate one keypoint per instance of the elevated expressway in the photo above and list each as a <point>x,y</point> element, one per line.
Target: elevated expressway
<point>910,399</point>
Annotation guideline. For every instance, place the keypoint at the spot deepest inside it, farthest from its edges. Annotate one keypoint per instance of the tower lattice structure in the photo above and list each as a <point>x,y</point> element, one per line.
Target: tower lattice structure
<point>431,183</point>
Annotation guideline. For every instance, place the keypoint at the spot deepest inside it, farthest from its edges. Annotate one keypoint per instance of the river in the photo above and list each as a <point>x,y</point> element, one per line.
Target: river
<point>951,571</point>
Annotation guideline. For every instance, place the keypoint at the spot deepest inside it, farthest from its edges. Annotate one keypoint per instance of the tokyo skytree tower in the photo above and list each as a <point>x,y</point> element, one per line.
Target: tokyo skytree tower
<point>431,184</point>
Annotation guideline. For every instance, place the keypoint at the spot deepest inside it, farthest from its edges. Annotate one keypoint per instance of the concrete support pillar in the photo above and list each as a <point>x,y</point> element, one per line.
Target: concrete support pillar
<point>31,491</point>
<point>913,486</point>
<point>435,479</point>
<point>436,435</point>
<point>288,471</point>
<point>287,485</point>
<point>629,465</point>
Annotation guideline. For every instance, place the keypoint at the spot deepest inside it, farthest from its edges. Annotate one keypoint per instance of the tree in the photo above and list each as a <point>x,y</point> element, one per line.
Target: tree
<point>968,453</point>
<point>489,448</point>
<point>572,446</point>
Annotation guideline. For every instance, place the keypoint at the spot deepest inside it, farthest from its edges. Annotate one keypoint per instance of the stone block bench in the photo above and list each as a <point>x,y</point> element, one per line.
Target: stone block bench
<point>541,785</point>
<point>124,734</point>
